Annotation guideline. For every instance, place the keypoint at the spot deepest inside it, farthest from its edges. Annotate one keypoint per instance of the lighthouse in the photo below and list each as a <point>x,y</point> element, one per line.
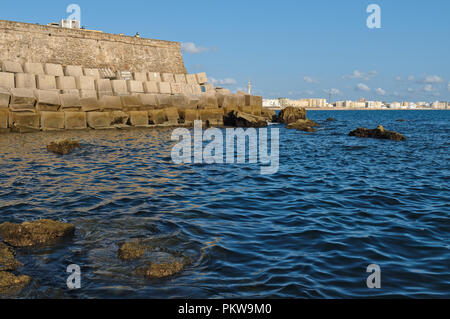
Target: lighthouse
<point>249,87</point>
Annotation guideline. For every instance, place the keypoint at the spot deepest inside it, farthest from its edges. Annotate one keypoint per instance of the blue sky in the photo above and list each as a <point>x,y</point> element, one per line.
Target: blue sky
<point>287,48</point>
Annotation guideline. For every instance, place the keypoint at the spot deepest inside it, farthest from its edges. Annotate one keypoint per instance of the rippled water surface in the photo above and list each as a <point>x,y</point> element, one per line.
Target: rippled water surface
<point>336,205</point>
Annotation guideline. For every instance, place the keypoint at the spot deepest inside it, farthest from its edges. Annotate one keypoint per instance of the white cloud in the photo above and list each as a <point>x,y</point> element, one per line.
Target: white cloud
<point>309,79</point>
<point>411,78</point>
<point>362,87</point>
<point>448,86</point>
<point>410,90</point>
<point>380,91</point>
<point>223,82</point>
<point>361,75</point>
<point>191,48</point>
<point>430,79</point>
<point>332,91</point>
<point>309,92</point>
<point>398,78</point>
<point>428,88</point>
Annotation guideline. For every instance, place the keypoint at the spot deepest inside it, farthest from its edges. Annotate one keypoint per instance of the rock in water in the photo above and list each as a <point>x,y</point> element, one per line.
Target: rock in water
<point>160,270</point>
<point>11,284</point>
<point>63,147</point>
<point>35,233</point>
<point>331,119</point>
<point>291,115</point>
<point>132,250</point>
<point>239,119</point>
<point>7,258</point>
<point>379,133</point>
<point>269,115</point>
<point>303,125</point>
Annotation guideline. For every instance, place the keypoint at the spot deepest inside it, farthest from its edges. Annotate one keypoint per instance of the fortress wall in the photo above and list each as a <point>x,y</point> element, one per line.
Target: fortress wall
<point>23,42</point>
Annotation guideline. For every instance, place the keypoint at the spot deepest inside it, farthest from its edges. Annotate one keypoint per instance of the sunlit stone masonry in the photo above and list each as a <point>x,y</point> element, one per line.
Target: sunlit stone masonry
<point>113,81</point>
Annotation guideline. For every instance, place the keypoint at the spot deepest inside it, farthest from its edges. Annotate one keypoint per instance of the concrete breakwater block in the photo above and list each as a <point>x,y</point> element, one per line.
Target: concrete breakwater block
<point>191,79</point>
<point>164,88</point>
<point>131,103</point>
<point>135,86</point>
<point>140,76</point>
<point>72,92</point>
<point>53,69</point>
<point>208,88</point>
<point>103,85</point>
<point>176,88</point>
<point>139,118</point>
<point>4,119</point>
<point>164,100</point>
<point>88,94</point>
<point>186,89</point>
<point>196,89</point>
<point>151,87</point>
<point>107,73</point>
<point>154,76</point>
<point>118,118</point>
<point>211,116</point>
<point>52,121</point>
<point>119,87</point>
<point>5,97</point>
<point>75,120</point>
<point>226,100</point>
<point>180,78</point>
<point>201,78</point>
<point>66,83</point>
<point>73,70</point>
<point>25,80</point>
<point>190,115</point>
<point>98,120</point>
<point>95,73</point>
<point>33,68</point>
<point>208,101</point>
<point>168,77</point>
<point>149,101</point>
<point>47,101</point>
<point>256,110</point>
<point>7,80</point>
<point>12,67</point>
<point>156,117</point>
<point>179,101</point>
<point>85,83</point>
<point>24,122</point>
<point>22,100</point>
<point>111,103</point>
<point>252,100</point>
<point>172,115</point>
<point>70,102</point>
<point>90,104</point>
<point>45,82</point>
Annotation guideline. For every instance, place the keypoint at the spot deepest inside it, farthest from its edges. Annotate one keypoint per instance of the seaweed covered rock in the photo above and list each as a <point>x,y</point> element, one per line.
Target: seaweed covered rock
<point>35,233</point>
<point>303,125</point>
<point>154,270</point>
<point>240,119</point>
<point>7,258</point>
<point>379,133</point>
<point>132,250</point>
<point>11,284</point>
<point>291,115</point>
<point>63,147</point>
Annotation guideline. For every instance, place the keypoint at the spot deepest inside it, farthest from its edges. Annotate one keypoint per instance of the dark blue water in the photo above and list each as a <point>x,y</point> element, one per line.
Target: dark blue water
<point>337,204</point>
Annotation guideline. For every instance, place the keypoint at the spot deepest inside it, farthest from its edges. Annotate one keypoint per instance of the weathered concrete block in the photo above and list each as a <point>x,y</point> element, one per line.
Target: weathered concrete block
<point>135,86</point>
<point>252,100</point>
<point>212,117</point>
<point>47,101</point>
<point>53,69</point>
<point>256,110</point>
<point>33,68</point>
<point>22,100</point>
<point>111,103</point>
<point>119,118</point>
<point>164,100</point>
<point>5,97</point>
<point>24,122</point>
<point>131,102</point>
<point>156,117</point>
<point>94,73</point>
<point>88,94</point>
<point>75,120</point>
<point>176,88</point>
<point>179,101</point>
<point>45,82</point>
<point>85,83</point>
<point>98,120</point>
<point>223,91</point>
<point>139,118</point>
<point>124,75</point>
<point>52,121</point>
<point>12,67</point>
<point>90,104</point>
<point>107,73</point>
<point>180,78</point>
<point>164,88</point>
<point>7,80</point>
<point>186,89</point>
<point>226,100</point>
<point>191,79</point>
<point>119,87</point>
<point>70,101</point>
<point>154,76</point>
<point>66,83</point>
<point>208,88</point>
<point>240,98</point>
<point>25,81</point>
<point>190,115</point>
<point>101,94</point>
<point>4,119</point>
<point>73,70</point>
<point>196,89</point>
<point>151,87</point>
<point>201,78</point>
<point>149,101</point>
<point>168,77</point>
<point>140,76</point>
<point>103,85</point>
<point>72,92</point>
<point>208,101</point>
<point>172,115</point>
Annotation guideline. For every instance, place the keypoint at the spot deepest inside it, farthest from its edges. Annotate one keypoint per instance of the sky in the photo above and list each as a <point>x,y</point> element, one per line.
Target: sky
<point>286,48</point>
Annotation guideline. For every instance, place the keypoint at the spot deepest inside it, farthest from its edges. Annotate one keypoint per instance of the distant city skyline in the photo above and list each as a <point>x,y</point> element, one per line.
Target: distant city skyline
<point>293,49</point>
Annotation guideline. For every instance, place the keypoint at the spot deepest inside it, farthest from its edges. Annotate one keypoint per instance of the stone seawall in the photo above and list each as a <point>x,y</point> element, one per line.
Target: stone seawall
<point>24,42</point>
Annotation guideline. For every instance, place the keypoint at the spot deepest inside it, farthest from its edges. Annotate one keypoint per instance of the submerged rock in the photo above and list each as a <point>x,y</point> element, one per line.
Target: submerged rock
<point>63,147</point>
<point>291,115</point>
<point>239,119</point>
<point>132,250</point>
<point>7,258</point>
<point>35,233</point>
<point>303,125</point>
<point>401,120</point>
<point>12,284</point>
<point>154,270</point>
<point>379,133</point>
<point>330,119</point>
